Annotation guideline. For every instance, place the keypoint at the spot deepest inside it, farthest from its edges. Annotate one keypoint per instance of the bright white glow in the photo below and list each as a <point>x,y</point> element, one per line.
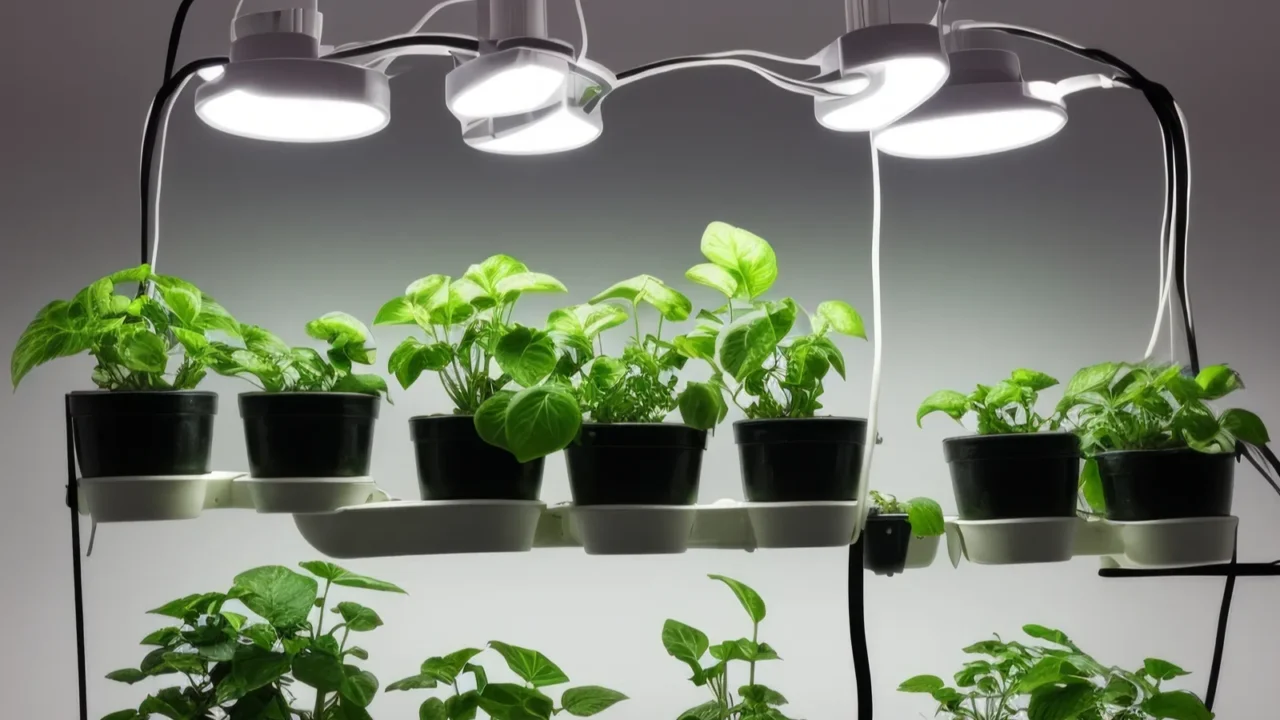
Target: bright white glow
<point>512,90</point>
<point>969,134</point>
<point>851,85</point>
<point>291,119</point>
<point>905,83</point>
<point>209,74</point>
<point>562,130</point>
<point>1044,90</point>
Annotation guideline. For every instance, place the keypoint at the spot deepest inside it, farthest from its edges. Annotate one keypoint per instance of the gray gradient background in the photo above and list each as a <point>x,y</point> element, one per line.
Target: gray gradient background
<point>1043,258</point>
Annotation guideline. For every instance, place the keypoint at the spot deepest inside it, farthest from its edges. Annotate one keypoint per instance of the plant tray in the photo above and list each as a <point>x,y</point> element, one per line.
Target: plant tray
<point>185,497</point>
<point>397,527</point>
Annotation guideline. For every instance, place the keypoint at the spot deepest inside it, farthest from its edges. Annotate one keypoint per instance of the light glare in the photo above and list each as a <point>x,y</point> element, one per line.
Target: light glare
<point>970,134</point>
<point>209,74</point>
<point>290,119</point>
<point>559,131</point>
<point>905,83</point>
<point>514,89</point>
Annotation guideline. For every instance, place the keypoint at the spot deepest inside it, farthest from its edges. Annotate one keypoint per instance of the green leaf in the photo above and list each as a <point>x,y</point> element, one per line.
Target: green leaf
<point>747,256</point>
<point>696,345</point>
<point>136,274</point>
<point>482,678</point>
<point>339,330</point>
<point>1092,379</point>
<point>686,644</point>
<point>606,372</point>
<point>143,352</point>
<point>925,517</point>
<point>949,402</point>
<point>183,298</point>
<point>701,405</point>
<point>127,675</point>
<point>1002,394</point>
<point>358,687</point>
<point>364,384</point>
<point>760,694</point>
<point>193,341</point>
<point>1162,669</point>
<point>251,672</point>
<point>492,271</point>
<point>527,355</point>
<point>710,710</point>
<point>358,617</point>
<point>839,316</point>
<point>164,637</point>
<point>319,670</point>
<point>513,702</point>
<point>464,706</point>
<point>1032,379</point>
<point>169,702</point>
<point>748,341</point>
<point>420,681</point>
<point>1091,486</point>
<point>49,336</point>
<point>184,662</point>
<point>432,709</point>
<point>398,311</point>
<point>524,282</point>
<point>1046,671</point>
<point>589,700</point>
<point>124,715</point>
<point>277,594</point>
<point>1057,637</point>
<point>262,342</point>
<point>714,277</point>
<point>346,578</point>
<point>750,599</point>
<point>411,358</point>
<point>1216,381</point>
<point>921,684</point>
<point>261,634</point>
<point>1176,705</point>
<point>1064,702</point>
<point>491,419</point>
<point>672,304</point>
<point>446,669</point>
<point>1245,426</point>
<point>541,420</point>
<point>532,666</point>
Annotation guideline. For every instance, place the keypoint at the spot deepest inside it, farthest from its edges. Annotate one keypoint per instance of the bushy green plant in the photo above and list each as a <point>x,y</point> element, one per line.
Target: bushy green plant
<point>483,358</point>
<point>235,667</point>
<point>747,341</point>
<point>639,385</point>
<point>690,645</point>
<point>924,514</point>
<point>132,337</point>
<point>502,701</point>
<point>1009,406</point>
<point>1056,681</point>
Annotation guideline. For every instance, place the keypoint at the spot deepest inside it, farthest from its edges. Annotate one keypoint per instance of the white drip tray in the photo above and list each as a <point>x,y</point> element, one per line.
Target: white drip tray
<point>397,527</point>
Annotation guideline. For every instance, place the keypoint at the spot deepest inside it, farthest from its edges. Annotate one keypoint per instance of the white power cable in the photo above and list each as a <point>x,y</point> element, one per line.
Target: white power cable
<point>161,140</point>
<point>802,87</point>
<point>761,54</point>
<point>582,28</point>
<point>235,16</point>
<point>1166,268</point>
<point>1186,220</point>
<point>877,346</point>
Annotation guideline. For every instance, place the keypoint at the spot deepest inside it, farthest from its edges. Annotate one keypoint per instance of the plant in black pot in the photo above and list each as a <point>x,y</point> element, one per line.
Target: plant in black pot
<point>314,417</point>
<point>146,419</point>
<point>1156,449</point>
<point>626,454</point>
<point>1017,466</point>
<point>506,417</point>
<point>891,525</point>
<point>788,453</point>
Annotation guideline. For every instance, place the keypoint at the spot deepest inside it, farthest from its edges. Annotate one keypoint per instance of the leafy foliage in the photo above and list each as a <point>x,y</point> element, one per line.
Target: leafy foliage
<point>1006,407</point>
<point>502,701</point>
<point>1055,681</point>
<point>235,668</point>
<point>747,341</point>
<point>277,367</point>
<point>924,514</point>
<point>690,646</point>
<point>491,367</point>
<point>132,338</point>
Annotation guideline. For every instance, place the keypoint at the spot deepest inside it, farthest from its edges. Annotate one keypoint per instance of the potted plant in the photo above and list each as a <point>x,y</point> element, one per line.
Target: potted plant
<point>506,417</point>
<point>146,418</point>
<point>788,453</point>
<point>314,417</point>
<point>502,701</point>
<point>690,645</point>
<point>236,667</point>
<point>626,454</point>
<point>1018,465</point>
<point>1156,449</point>
<point>892,524</point>
<point>1056,679</point>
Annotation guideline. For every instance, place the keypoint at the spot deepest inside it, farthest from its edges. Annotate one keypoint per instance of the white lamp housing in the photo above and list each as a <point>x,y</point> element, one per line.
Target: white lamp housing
<point>567,121</point>
<point>506,82</point>
<point>886,70</point>
<point>275,87</point>
<point>986,107</point>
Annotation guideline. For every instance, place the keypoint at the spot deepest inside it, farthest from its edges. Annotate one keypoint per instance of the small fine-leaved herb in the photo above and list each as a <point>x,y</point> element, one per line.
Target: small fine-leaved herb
<point>689,645</point>
<point>747,342</point>
<point>924,514</point>
<point>502,701</point>
<point>236,667</point>
<point>277,367</point>
<point>133,337</point>
<point>1058,680</point>
<point>1009,406</point>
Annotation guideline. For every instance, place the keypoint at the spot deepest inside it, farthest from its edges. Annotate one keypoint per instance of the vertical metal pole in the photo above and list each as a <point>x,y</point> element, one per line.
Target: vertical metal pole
<point>499,19</point>
<point>858,631</point>
<point>859,14</point>
<point>76,576</point>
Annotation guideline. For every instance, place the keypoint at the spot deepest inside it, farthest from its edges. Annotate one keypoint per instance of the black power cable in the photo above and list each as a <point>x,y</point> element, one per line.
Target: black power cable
<point>175,38</point>
<point>858,631</point>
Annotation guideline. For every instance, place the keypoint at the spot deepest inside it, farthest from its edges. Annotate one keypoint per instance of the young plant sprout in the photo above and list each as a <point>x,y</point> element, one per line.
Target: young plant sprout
<point>924,515</point>
<point>1004,408</point>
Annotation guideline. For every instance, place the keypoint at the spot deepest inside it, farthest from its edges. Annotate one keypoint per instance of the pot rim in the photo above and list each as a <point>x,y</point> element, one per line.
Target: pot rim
<point>1149,452</point>
<point>820,418</point>
<point>1005,436</point>
<point>142,392</point>
<point>307,393</point>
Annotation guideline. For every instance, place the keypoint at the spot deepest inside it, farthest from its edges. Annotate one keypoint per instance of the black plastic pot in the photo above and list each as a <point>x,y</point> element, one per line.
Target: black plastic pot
<point>636,464</point>
<point>998,477</point>
<point>1163,484</point>
<point>320,435</point>
<point>142,433</point>
<point>455,463</point>
<point>800,459</point>
<point>885,542</point>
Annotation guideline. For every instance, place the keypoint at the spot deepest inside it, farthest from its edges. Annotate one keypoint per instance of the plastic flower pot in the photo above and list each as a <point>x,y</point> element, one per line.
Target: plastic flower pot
<point>1165,484</point>
<point>309,435</point>
<point>636,464</point>
<point>886,538</point>
<point>998,477</point>
<point>455,463</point>
<point>124,433</point>
<point>800,459</point>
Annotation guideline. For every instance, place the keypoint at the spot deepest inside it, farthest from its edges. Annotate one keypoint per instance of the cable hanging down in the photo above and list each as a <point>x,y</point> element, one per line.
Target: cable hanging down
<point>877,345</point>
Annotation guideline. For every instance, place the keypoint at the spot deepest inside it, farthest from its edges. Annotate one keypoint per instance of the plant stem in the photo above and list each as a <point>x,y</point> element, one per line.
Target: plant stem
<point>316,636</point>
<point>755,636</point>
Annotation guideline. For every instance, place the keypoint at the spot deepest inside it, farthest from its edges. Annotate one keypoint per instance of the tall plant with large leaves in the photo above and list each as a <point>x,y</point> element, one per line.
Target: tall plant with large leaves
<point>133,336</point>
<point>748,341</point>
<point>242,668</point>
<point>490,366</point>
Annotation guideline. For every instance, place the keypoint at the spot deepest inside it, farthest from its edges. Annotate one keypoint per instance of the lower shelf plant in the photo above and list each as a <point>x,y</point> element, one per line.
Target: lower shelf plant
<point>753,700</point>
<point>1056,680</point>
<point>502,701</point>
<point>234,667</point>
<point>893,525</point>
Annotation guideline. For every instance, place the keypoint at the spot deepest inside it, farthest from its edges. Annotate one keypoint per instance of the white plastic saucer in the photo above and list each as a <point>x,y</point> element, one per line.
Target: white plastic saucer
<point>1014,541</point>
<point>632,529</point>
<point>437,527</point>
<point>144,498</point>
<point>309,495</point>
<point>921,552</point>
<point>802,524</point>
<point>1178,542</point>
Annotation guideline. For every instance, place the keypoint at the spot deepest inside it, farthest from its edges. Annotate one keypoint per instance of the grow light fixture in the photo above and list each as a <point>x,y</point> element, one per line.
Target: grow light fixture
<point>508,82</point>
<point>569,120</point>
